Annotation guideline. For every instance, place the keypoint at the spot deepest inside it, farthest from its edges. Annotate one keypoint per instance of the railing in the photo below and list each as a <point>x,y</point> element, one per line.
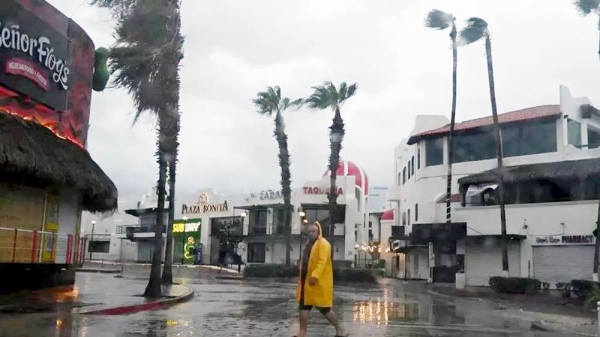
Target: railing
<point>136,229</point>
<point>25,246</point>
<point>265,229</point>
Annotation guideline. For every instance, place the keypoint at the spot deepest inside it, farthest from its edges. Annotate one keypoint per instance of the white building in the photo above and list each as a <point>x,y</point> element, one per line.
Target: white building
<point>551,154</point>
<point>256,220</point>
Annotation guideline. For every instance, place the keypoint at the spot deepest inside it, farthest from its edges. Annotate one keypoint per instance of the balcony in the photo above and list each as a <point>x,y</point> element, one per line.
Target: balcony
<point>261,230</point>
<point>143,230</point>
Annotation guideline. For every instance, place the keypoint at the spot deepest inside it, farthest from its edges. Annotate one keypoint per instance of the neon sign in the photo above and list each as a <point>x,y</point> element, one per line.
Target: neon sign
<point>186,227</point>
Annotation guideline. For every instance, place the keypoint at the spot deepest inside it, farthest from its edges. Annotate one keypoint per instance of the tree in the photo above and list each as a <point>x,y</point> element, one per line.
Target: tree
<point>146,58</point>
<point>439,20</point>
<point>269,103</point>
<point>586,7</point>
<point>477,29</point>
<point>327,96</point>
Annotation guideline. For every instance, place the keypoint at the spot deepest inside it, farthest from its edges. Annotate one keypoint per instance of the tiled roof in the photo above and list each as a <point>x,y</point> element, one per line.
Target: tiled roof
<point>508,117</point>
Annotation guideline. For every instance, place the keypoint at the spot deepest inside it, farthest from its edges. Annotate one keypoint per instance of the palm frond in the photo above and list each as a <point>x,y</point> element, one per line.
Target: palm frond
<point>439,20</point>
<point>320,99</point>
<point>476,29</point>
<point>586,7</point>
<point>270,102</point>
<point>351,91</point>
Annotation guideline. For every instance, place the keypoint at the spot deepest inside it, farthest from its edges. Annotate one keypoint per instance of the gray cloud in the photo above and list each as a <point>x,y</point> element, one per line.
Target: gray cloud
<point>236,48</point>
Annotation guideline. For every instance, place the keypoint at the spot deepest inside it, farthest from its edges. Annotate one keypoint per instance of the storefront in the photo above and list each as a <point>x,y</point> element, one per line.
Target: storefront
<point>186,240</point>
<point>562,258</point>
<point>46,175</point>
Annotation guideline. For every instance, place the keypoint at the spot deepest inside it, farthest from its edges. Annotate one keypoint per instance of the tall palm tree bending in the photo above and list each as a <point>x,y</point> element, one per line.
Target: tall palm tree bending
<point>327,96</point>
<point>146,59</point>
<point>269,103</point>
<point>476,30</point>
<point>439,20</point>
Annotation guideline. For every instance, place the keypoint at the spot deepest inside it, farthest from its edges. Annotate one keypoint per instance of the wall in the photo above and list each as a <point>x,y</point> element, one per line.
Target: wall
<point>69,212</point>
<point>532,221</point>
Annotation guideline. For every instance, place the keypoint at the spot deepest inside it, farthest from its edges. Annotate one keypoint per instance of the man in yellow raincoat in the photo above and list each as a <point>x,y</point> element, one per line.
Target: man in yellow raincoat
<point>315,286</point>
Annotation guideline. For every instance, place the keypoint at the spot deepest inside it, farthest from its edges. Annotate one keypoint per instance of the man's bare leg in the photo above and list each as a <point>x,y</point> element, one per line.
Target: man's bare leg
<point>303,318</point>
<point>332,318</point>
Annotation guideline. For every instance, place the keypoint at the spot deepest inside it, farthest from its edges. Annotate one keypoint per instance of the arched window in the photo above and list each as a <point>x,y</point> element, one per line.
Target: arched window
<point>403,176</point>
<point>416,212</point>
<point>404,219</point>
<point>409,217</point>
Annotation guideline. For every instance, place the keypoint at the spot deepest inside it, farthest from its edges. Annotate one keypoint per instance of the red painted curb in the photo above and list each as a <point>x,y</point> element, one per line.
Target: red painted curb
<point>148,306</point>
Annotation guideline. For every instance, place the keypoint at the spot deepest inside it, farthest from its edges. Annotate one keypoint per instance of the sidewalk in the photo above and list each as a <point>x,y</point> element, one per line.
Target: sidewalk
<point>143,269</point>
<point>544,311</point>
<point>91,292</point>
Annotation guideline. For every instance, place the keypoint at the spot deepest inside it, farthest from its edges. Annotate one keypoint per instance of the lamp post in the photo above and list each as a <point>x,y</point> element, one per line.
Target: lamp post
<point>303,221</point>
<point>91,240</point>
<point>243,215</point>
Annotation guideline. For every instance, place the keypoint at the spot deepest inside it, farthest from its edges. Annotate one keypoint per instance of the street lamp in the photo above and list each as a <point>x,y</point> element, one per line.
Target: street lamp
<point>91,240</point>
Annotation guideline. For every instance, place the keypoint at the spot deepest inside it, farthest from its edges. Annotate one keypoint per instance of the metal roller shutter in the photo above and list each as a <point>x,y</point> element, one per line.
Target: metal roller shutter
<point>563,263</point>
<point>484,261</point>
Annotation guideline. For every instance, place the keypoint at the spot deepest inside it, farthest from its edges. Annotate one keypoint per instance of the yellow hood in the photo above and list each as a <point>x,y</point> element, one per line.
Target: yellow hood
<point>320,229</point>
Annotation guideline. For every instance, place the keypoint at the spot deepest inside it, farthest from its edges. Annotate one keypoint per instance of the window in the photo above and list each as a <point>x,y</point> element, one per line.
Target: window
<point>404,176</point>
<point>434,151</point>
<point>399,182</point>
<point>418,158</point>
<point>416,212</point>
<point>408,169</point>
<point>370,235</point>
<point>403,218</point>
<point>412,165</point>
<point>518,139</point>
<point>99,246</point>
<point>408,217</point>
<point>232,226</point>
<point>258,222</point>
<point>593,138</point>
<point>256,252</point>
<point>574,132</point>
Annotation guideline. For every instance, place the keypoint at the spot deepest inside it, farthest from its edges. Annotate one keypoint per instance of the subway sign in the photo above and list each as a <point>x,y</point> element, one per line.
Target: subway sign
<point>187,226</point>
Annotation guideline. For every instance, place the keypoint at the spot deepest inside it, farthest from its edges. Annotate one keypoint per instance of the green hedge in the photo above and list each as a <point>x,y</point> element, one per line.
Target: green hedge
<point>265,270</point>
<point>583,288</point>
<point>514,285</point>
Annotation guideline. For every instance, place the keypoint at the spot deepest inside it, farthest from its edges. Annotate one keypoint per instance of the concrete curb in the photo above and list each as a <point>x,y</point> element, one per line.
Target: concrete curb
<point>148,306</point>
<point>101,271</point>
<point>540,326</point>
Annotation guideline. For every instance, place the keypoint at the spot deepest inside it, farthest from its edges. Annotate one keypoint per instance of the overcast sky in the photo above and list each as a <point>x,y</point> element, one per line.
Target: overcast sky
<point>235,48</point>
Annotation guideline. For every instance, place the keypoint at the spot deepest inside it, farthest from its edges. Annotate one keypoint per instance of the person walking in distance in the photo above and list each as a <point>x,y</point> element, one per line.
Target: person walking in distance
<point>315,287</point>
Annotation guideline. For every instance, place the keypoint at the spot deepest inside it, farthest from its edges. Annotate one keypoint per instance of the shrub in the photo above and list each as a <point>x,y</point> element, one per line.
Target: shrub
<point>270,270</point>
<point>514,285</point>
<point>354,275</point>
<point>582,288</point>
<point>264,270</point>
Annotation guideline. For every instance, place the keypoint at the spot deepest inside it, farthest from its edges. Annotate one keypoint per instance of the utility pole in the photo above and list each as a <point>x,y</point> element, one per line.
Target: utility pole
<point>91,240</point>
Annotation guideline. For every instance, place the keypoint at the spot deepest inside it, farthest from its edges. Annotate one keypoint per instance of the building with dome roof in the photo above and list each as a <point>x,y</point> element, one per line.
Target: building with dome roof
<point>254,222</point>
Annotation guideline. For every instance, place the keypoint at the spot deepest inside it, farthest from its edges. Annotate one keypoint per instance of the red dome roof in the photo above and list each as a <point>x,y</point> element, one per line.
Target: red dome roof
<point>348,168</point>
<point>387,215</point>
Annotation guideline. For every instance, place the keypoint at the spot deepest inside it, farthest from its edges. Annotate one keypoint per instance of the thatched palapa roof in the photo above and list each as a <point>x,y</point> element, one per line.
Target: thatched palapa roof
<point>575,169</point>
<point>32,155</point>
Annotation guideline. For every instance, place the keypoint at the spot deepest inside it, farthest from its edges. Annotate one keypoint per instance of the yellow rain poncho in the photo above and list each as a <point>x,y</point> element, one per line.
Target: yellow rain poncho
<point>319,267</point>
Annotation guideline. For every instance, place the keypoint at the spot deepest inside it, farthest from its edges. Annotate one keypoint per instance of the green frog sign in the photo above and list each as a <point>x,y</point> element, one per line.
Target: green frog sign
<point>188,248</point>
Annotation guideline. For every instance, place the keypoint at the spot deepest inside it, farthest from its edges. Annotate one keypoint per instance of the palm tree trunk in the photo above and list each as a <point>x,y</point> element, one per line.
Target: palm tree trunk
<point>336,136</point>
<point>597,244</point>
<point>284,163</point>
<point>488,52</point>
<point>167,276</point>
<point>599,35</point>
<point>153,289</point>
<point>452,123</point>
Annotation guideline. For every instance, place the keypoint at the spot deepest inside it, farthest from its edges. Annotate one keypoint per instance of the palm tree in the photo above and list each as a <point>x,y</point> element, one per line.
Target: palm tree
<point>146,59</point>
<point>586,7</point>
<point>267,103</point>
<point>477,29</point>
<point>439,20</point>
<point>327,96</point>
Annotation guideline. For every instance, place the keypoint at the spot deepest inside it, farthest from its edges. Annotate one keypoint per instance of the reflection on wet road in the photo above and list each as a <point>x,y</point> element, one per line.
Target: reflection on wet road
<point>267,309</point>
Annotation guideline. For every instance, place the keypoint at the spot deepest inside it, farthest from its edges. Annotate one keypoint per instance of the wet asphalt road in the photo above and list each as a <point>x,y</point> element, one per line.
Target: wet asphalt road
<point>266,308</point>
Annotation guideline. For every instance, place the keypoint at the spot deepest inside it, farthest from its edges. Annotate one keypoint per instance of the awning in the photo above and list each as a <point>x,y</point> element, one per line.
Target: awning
<point>493,238</point>
<point>32,155</point>
<point>569,169</point>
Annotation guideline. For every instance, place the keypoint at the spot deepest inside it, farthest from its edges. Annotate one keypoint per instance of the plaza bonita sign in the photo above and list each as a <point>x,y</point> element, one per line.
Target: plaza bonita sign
<point>40,49</point>
<point>204,206</point>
